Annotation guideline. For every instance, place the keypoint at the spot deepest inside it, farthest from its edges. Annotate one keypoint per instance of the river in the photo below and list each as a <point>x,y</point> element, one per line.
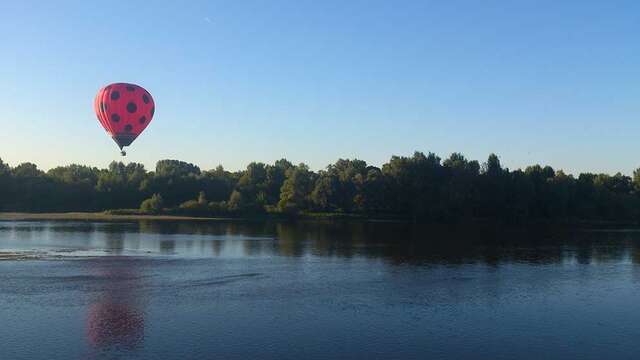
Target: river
<point>316,290</point>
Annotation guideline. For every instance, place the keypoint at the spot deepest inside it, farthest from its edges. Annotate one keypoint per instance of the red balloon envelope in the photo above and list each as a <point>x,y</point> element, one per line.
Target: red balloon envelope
<point>124,110</point>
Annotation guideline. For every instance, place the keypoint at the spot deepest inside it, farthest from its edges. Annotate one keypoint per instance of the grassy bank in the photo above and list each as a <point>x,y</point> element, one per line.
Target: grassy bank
<point>98,216</point>
<point>4,255</point>
<point>134,214</point>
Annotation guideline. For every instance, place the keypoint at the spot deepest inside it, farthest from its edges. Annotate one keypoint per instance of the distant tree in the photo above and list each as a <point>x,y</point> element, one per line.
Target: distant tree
<point>196,207</point>
<point>636,179</point>
<point>177,181</point>
<point>75,174</point>
<point>175,169</point>
<point>462,176</point>
<point>347,174</point>
<point>5,182</point>
<point>218,183</point>
<point>75,187</point>
<point>421,187</point>
<point>370,192</point>
<point>416,186</point>
<point>236,202</point>
<point>323,195</point>
<point>26,170</point>
<point>5,170</point>
<point>30,189</point>
<point>492,189</point>
<point>153,205</point>
<point>120,185</point>
<point>492,167</point>
<point>296,189</point>
<point>275,177</point>
<point>250,194</point>
<point>520,194</point>
<point>202,198</point>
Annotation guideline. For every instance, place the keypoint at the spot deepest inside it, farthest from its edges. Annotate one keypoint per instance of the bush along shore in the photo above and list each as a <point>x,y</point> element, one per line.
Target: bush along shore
<point>422,187</point>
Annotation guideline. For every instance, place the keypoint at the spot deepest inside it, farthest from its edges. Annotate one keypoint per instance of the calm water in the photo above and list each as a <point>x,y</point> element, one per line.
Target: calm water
<point>236,290</point>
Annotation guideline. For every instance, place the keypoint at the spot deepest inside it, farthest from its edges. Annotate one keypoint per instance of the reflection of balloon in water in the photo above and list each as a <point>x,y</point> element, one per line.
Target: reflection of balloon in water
<point>116,316</point>
<point>115,324</point>
<point>124,110</point>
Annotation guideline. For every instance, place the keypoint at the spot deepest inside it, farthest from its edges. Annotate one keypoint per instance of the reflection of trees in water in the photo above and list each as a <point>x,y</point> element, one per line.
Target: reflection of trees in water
<point>71,226</point>
<point>116,316</point>
<point>397,242</point>
<point>114,241</point>
<point>635,251</point>
<point>57,226</point>
<point>216,247</point>
<point>491,245</point>
<point>219,228</point>
<point>327,239</point>
<point>215,234</point>
<point>167,246</point>
<point>290,241</point>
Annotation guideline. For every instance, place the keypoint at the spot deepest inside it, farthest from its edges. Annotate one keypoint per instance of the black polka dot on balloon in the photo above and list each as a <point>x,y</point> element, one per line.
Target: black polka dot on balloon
<point>145,98</point>
<point>115,95</point>
<point>128,128</point>
<point>132,107</point>
<point>153,110</point>
<point>130,88</point>
<point>115,117</point>
<point>143,119</point>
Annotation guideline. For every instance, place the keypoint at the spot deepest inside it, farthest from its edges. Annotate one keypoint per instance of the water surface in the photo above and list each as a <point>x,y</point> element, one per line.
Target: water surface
<point>238,290</point>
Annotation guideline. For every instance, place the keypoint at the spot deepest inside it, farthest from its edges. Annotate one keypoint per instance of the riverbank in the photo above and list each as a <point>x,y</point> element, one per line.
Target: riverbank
<point>12,255</point>
<point>126,214</point>
<point>98,216</point>
<point>132,215</point>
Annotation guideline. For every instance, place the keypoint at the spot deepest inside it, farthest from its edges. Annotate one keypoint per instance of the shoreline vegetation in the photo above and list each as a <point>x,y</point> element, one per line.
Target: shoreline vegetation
<point>19,255</point>
<point>97,216</point>
<point>135,215</point>
<point>421,188</point>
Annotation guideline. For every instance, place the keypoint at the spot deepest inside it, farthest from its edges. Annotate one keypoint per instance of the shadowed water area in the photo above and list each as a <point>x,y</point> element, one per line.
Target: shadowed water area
<point>314,290</point>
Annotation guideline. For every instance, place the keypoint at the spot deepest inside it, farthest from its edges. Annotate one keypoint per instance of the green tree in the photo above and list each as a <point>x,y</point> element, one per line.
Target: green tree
<point>153,205</point>
<point>323,195</point>
<point>27,170</point>
<point>120,185</point>
<point>416,186</point>
<point>250,194</point>
<point>462,176</point>
<point>420,187</point>
<point>177,181</point>
<point>176,169</point>
<point>5,182</point>
<point>275,177</point>
<point>370,192</point>
<point>295,192</point>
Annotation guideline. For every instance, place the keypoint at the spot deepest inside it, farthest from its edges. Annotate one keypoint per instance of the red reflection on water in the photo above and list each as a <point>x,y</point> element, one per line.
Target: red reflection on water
<point>114,324</point>
<point>116,317</point>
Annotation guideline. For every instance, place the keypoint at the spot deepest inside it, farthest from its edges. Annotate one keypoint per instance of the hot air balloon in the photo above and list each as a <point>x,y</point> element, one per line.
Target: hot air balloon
<point>124,110</point>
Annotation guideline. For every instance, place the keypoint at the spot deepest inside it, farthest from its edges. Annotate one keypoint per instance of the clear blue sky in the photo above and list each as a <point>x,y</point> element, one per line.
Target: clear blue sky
<point>550,82</point>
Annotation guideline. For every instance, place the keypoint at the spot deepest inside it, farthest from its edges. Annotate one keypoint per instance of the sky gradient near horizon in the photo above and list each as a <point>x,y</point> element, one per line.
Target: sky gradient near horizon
<point>549,82</point>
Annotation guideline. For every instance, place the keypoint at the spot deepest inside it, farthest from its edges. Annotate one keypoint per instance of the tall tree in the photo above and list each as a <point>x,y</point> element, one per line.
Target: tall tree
<point>296,189</point>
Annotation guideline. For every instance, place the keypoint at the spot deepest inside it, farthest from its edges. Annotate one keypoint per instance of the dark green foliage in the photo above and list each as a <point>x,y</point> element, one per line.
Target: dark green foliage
<point>175,169</point>
<point>153,205</point>
<point>250,193</point>
<point>421,187</point>
<point>5,182</point>
<point>294,195</point>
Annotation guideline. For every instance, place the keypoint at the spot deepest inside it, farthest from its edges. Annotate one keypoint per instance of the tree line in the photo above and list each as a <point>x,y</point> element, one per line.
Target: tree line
<point>421,187</point>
